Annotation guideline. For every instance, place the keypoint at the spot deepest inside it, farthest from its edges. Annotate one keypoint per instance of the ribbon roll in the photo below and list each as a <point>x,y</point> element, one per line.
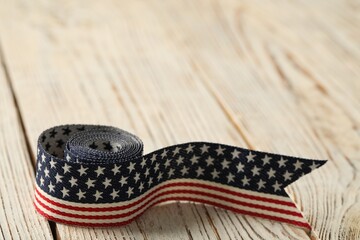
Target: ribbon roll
<point>97,176</point>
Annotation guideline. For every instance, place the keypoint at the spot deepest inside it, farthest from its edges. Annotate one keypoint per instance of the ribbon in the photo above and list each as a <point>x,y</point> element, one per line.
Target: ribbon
<point>97,176</point>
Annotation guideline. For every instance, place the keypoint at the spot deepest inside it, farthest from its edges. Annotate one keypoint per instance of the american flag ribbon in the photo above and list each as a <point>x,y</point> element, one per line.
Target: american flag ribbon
<point>97,176</point>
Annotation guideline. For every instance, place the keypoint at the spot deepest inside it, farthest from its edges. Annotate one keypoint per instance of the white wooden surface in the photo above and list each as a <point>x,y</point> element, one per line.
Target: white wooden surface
<point>276,76</point>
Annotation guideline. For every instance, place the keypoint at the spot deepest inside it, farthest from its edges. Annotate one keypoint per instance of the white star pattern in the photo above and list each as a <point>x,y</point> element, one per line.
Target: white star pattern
<point>282,162</point>
<point>153,158</point>
<point>137,177</point>
<point>39,166</point>
<point>235,154</point>
<point>230,177</point>
<point>215,174</point>
<point>99,171</point>
<point>287,175</point>
<point>298,165</point>
<point>194,159</point>
<point>51,187</point>
<point>225,164</point>
<point>114,194</point>
<point>240,167</point>
<point>314,166</point>
<point>150,181</point>
<point>220,150</point>
<point>180,160</point>
<point>171,172</point>
<point>271,173</point>
<point>42,181</point>
<point>266,160</point>
<point>58,178</point>
<point>143,162</point>
<point>261,184</point>
<point>65,192</point>
<point>255,171</point>
<point>52,163</point>
<point>97,195</point>
<point>66,168</point>
<point>46,171</point>
<point>73,181</point>
<point>131,167</point>
<point>159,177</point>
<point>80,194</point>
<point>245,181</point>
<point>107,183</point>
<point>157,166</point>
<point>141,187</point>
<point>204,149</point>
<point>250,157</point>
<point>184,170</point>
<point>190,148</point>
<point>115,169</point>
<point>123,180</point>
<point>199,171</point>
<point>130,191</point>
<point>82,170</point>
<point>90,183</point>
<point>276,186</point>
<point>164,153</point>
<point>147,172</point>
<point>209,161</point>
<point>167,163</point>
<point>176,151</point>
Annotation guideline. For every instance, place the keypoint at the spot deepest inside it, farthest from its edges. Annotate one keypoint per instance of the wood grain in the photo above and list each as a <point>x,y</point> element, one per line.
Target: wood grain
<point>274,76</point>
<point>18,218</point>
<point>294,94</point>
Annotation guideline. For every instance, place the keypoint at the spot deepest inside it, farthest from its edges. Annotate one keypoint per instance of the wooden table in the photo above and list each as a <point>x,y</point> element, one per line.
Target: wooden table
<point>268,75</point>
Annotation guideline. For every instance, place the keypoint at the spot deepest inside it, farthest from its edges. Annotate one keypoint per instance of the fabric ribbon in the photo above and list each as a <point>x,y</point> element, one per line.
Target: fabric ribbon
<point>97,176</point>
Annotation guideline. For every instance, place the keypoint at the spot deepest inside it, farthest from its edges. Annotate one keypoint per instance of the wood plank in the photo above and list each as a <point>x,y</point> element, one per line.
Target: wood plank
<point>17,215</point>
<point>332,53</point>
<point>269,78</point>
<point>114,64</point>
<point>210,223</point>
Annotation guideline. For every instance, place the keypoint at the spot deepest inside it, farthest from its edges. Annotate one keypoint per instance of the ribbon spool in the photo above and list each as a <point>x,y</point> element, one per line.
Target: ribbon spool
<point>97,176</point>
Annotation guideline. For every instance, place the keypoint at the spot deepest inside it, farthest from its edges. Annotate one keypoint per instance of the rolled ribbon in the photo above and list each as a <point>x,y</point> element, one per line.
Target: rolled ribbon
<point>97,176</point>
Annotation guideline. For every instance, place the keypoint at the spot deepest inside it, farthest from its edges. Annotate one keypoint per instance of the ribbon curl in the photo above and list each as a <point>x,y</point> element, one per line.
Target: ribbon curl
<point>97,176</point>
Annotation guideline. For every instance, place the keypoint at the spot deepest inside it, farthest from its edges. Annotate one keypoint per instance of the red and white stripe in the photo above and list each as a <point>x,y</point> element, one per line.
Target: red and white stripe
<point>241,201</point>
